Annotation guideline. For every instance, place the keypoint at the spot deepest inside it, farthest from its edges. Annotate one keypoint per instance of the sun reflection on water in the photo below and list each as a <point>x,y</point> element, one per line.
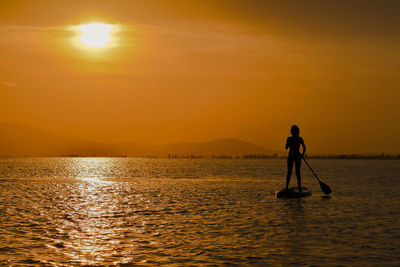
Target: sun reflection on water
<point>131,211</point>
<point>92,236</point>
<point>90,169</point>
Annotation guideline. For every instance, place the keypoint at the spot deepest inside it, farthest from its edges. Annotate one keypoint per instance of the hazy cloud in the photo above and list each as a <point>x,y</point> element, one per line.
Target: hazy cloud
<point>7,84</point>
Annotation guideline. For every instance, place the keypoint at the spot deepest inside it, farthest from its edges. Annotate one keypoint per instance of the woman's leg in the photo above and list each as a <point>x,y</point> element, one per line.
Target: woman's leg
<point>298,167</point>
<point>289,171</point>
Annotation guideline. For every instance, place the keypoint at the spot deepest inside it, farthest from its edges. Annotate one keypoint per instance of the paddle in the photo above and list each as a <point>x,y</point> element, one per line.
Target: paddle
<point>324,187</point>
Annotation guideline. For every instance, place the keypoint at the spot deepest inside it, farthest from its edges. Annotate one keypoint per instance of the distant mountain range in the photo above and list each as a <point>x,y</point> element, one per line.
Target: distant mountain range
<point>21,140</point>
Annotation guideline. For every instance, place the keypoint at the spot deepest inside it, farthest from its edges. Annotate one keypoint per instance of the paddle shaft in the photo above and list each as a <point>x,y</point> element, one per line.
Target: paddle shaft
<point>311,169</point>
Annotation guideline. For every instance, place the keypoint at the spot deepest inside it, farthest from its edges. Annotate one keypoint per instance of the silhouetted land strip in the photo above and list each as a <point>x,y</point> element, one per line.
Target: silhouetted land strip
<point>356,156</point>
<point>247,156</point>
<point>331,156</point>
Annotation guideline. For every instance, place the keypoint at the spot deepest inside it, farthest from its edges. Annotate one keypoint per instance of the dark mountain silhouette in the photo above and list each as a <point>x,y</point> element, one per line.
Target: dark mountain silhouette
<point>22,140</point>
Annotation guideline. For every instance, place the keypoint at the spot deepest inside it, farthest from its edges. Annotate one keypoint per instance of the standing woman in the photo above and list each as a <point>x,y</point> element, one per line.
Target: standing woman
<point>293,143</point>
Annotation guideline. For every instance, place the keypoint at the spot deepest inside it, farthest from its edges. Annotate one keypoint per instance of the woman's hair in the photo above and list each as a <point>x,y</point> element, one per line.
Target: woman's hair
<point>295,131</point>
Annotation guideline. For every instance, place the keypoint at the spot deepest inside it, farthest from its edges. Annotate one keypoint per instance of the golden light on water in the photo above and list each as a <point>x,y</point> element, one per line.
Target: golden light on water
<point>91,169</point>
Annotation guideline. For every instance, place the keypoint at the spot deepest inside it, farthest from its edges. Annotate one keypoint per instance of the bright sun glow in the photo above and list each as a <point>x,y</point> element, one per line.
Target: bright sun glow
<point>95,35</point>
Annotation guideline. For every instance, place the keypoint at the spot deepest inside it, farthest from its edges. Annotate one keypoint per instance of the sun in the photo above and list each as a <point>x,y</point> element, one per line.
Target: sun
<point>95,38</point>
<point>95,35</point>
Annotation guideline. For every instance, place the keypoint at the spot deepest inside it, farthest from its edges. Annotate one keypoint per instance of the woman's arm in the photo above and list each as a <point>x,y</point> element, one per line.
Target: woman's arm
<point>304,147</point>
<point>287,143</point>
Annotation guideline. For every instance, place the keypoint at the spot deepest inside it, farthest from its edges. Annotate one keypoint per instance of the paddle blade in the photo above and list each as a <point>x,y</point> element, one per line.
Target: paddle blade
<point>325,188</point>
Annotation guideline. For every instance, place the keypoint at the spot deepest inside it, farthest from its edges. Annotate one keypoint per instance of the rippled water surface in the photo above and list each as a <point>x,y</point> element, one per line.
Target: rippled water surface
<point>129,211</point>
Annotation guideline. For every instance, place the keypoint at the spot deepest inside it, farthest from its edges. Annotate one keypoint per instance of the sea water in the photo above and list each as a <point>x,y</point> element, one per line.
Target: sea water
<point>145,212</point>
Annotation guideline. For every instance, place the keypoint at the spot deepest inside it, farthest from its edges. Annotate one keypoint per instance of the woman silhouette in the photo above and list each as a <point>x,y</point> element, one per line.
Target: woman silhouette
<point>293,143</point>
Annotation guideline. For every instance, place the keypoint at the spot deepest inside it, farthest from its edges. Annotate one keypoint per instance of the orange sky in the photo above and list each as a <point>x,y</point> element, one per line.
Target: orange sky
<point>202,70</point>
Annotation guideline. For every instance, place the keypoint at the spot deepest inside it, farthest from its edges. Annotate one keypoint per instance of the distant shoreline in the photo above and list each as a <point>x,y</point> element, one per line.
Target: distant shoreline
<point>250,156</point>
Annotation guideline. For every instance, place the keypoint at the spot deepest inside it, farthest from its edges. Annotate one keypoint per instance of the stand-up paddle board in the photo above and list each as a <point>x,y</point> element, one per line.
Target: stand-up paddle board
<point>293,192</point>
